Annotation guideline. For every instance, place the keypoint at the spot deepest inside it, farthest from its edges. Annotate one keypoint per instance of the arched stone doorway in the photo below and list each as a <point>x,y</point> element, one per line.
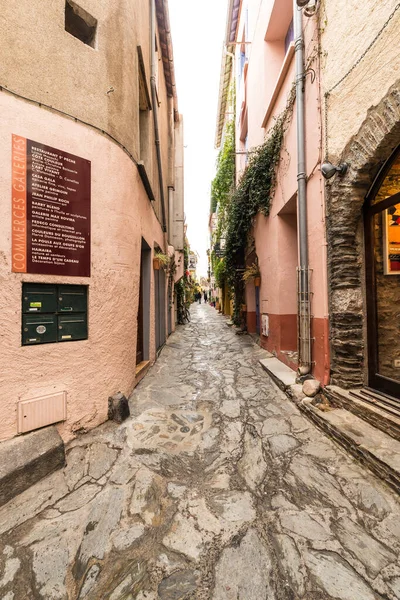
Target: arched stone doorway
<point>366,153</point>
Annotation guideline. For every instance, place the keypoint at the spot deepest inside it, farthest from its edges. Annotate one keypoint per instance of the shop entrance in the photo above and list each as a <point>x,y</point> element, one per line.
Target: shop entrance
<point>382,265</point>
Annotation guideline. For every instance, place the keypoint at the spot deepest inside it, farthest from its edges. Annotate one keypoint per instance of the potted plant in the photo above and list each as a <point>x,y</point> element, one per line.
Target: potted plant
<point>252,273</point>
<point>160,261</point>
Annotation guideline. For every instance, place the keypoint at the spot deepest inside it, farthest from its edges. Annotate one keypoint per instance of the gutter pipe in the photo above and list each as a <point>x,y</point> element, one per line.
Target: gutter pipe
<point>155,109</point>
<point>304,310</point>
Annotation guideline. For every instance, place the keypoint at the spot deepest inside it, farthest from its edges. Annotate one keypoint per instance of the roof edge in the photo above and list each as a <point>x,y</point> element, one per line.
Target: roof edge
<point>167,53</point>
<point>232,21</point>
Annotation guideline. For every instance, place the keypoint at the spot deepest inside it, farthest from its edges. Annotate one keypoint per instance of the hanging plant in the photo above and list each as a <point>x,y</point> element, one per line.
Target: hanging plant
<point>160,260</point>
<point>171,267</point>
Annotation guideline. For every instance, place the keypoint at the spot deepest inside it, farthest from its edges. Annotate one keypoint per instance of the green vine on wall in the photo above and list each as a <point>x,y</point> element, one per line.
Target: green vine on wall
<point>224,180</point>
<point>184,288</point>
<point>220,272</point>
<point>252,195</point>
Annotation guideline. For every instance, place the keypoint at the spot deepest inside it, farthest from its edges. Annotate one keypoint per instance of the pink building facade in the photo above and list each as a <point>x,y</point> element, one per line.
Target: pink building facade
<point>260,58</point>
<point>67,95</point>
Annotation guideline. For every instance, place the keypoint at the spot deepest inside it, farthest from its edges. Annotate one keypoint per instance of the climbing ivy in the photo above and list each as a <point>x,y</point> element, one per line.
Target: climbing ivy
<point>184,288</point>
<point>224,180</point>
<point>220,272</point>
<point>252,195</point>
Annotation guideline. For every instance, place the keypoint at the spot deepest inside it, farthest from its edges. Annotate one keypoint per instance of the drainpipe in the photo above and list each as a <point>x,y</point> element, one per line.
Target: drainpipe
<point>170,213</point>
<point>155,109</point>
<point>304,312</point>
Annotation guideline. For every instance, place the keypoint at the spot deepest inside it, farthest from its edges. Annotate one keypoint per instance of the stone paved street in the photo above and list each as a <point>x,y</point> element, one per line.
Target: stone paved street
<point>215,488</point>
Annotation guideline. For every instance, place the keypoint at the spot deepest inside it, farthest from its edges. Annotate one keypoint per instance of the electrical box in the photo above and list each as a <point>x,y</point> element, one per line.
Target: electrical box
<point>39,329</point>
<point>72,327</point>
<point>33,413</point>
<point>44,309</point>
<point>72,298</point>
<point>265,325</point>
<point>39,298</point>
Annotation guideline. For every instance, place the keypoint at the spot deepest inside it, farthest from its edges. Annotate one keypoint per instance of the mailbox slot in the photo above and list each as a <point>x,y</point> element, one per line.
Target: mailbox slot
<point>39,298</point>
<point>53,313</point>
<point>72,327</point>
<point>39,329</point>
<point>72,298</point>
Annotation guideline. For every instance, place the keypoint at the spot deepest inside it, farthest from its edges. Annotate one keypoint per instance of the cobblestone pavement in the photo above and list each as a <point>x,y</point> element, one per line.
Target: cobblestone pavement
<point>215,488</point>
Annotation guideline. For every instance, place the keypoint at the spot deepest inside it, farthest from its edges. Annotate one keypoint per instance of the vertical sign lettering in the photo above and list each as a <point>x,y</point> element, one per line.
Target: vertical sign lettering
<point>54,188</point>
<point>18,204</point>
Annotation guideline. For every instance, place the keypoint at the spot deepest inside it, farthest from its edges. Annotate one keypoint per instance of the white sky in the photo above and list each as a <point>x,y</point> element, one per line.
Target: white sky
<point>198,31</point>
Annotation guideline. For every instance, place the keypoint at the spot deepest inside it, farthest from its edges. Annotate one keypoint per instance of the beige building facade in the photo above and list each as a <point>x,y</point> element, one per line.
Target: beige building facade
<point>361,115</point>
<point>82,82</point>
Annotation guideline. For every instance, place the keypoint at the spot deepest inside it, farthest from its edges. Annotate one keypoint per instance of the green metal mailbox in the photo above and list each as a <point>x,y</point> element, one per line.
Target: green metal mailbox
<point>72,298</point>
<point>39,298</point>
<point>39,329</point>
<point>72,327</point>
<point>44,308</point>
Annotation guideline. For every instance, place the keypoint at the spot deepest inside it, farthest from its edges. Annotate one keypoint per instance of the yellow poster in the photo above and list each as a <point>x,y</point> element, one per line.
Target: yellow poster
<point>391,240</point>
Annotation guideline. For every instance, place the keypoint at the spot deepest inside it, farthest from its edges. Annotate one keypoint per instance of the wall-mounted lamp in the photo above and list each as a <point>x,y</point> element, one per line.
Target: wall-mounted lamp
<point>302,3</point>
<point>328,170</point>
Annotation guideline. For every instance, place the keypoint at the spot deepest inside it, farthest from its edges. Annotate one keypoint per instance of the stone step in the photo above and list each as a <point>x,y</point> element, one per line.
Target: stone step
<point>283,375</point>
<point>372,447</point>
<point>26,459</point>
<point>373,412</point>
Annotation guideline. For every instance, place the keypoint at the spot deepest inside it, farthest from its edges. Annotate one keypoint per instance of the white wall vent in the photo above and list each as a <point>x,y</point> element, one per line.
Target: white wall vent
<point>39,412</point>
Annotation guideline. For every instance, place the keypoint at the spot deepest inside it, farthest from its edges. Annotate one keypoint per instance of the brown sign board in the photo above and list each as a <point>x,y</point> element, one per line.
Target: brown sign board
<point>50,210</point>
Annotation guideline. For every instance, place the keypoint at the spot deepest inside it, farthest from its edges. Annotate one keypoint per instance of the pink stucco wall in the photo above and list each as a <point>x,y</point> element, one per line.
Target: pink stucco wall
<point>266,24</point>
<point>91,370</point>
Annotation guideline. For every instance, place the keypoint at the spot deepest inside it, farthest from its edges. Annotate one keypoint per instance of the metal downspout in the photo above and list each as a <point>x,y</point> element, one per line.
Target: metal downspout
<point>155,109</point>
<point>304,312</point>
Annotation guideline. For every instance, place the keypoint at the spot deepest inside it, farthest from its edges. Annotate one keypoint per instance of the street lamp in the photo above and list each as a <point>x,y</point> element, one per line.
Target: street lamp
<point>328,170</point>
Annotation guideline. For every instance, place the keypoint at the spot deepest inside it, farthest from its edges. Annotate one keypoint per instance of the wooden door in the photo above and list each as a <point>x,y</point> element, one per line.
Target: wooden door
<point>139,343</point>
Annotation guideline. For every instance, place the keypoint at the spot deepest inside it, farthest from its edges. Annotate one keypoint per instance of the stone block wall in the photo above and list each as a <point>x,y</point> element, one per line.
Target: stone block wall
<point>365,152</point>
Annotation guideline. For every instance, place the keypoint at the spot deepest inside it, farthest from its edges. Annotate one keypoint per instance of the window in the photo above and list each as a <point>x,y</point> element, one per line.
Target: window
<point>144,109</point>
<point>53,313</point>
<point>289,36</point>
<point>80,24</point>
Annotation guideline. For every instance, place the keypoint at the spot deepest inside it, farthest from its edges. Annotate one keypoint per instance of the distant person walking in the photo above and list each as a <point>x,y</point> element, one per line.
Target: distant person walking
<point>205,295</point>
<point>200,297</point>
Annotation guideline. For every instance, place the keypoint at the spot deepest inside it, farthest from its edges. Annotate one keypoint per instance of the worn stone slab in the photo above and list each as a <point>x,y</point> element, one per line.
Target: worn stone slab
<point>372,413</point>
<point>243,572</point>
<point>184,537</point>
<point>26,459</point>
<point>178,585</point>
<point>336,577</point>
<point>283,375</point>
<point>379,451</point>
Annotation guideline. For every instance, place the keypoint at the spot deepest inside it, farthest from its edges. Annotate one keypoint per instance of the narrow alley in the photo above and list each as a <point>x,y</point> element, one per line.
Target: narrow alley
<point>216,487</point>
